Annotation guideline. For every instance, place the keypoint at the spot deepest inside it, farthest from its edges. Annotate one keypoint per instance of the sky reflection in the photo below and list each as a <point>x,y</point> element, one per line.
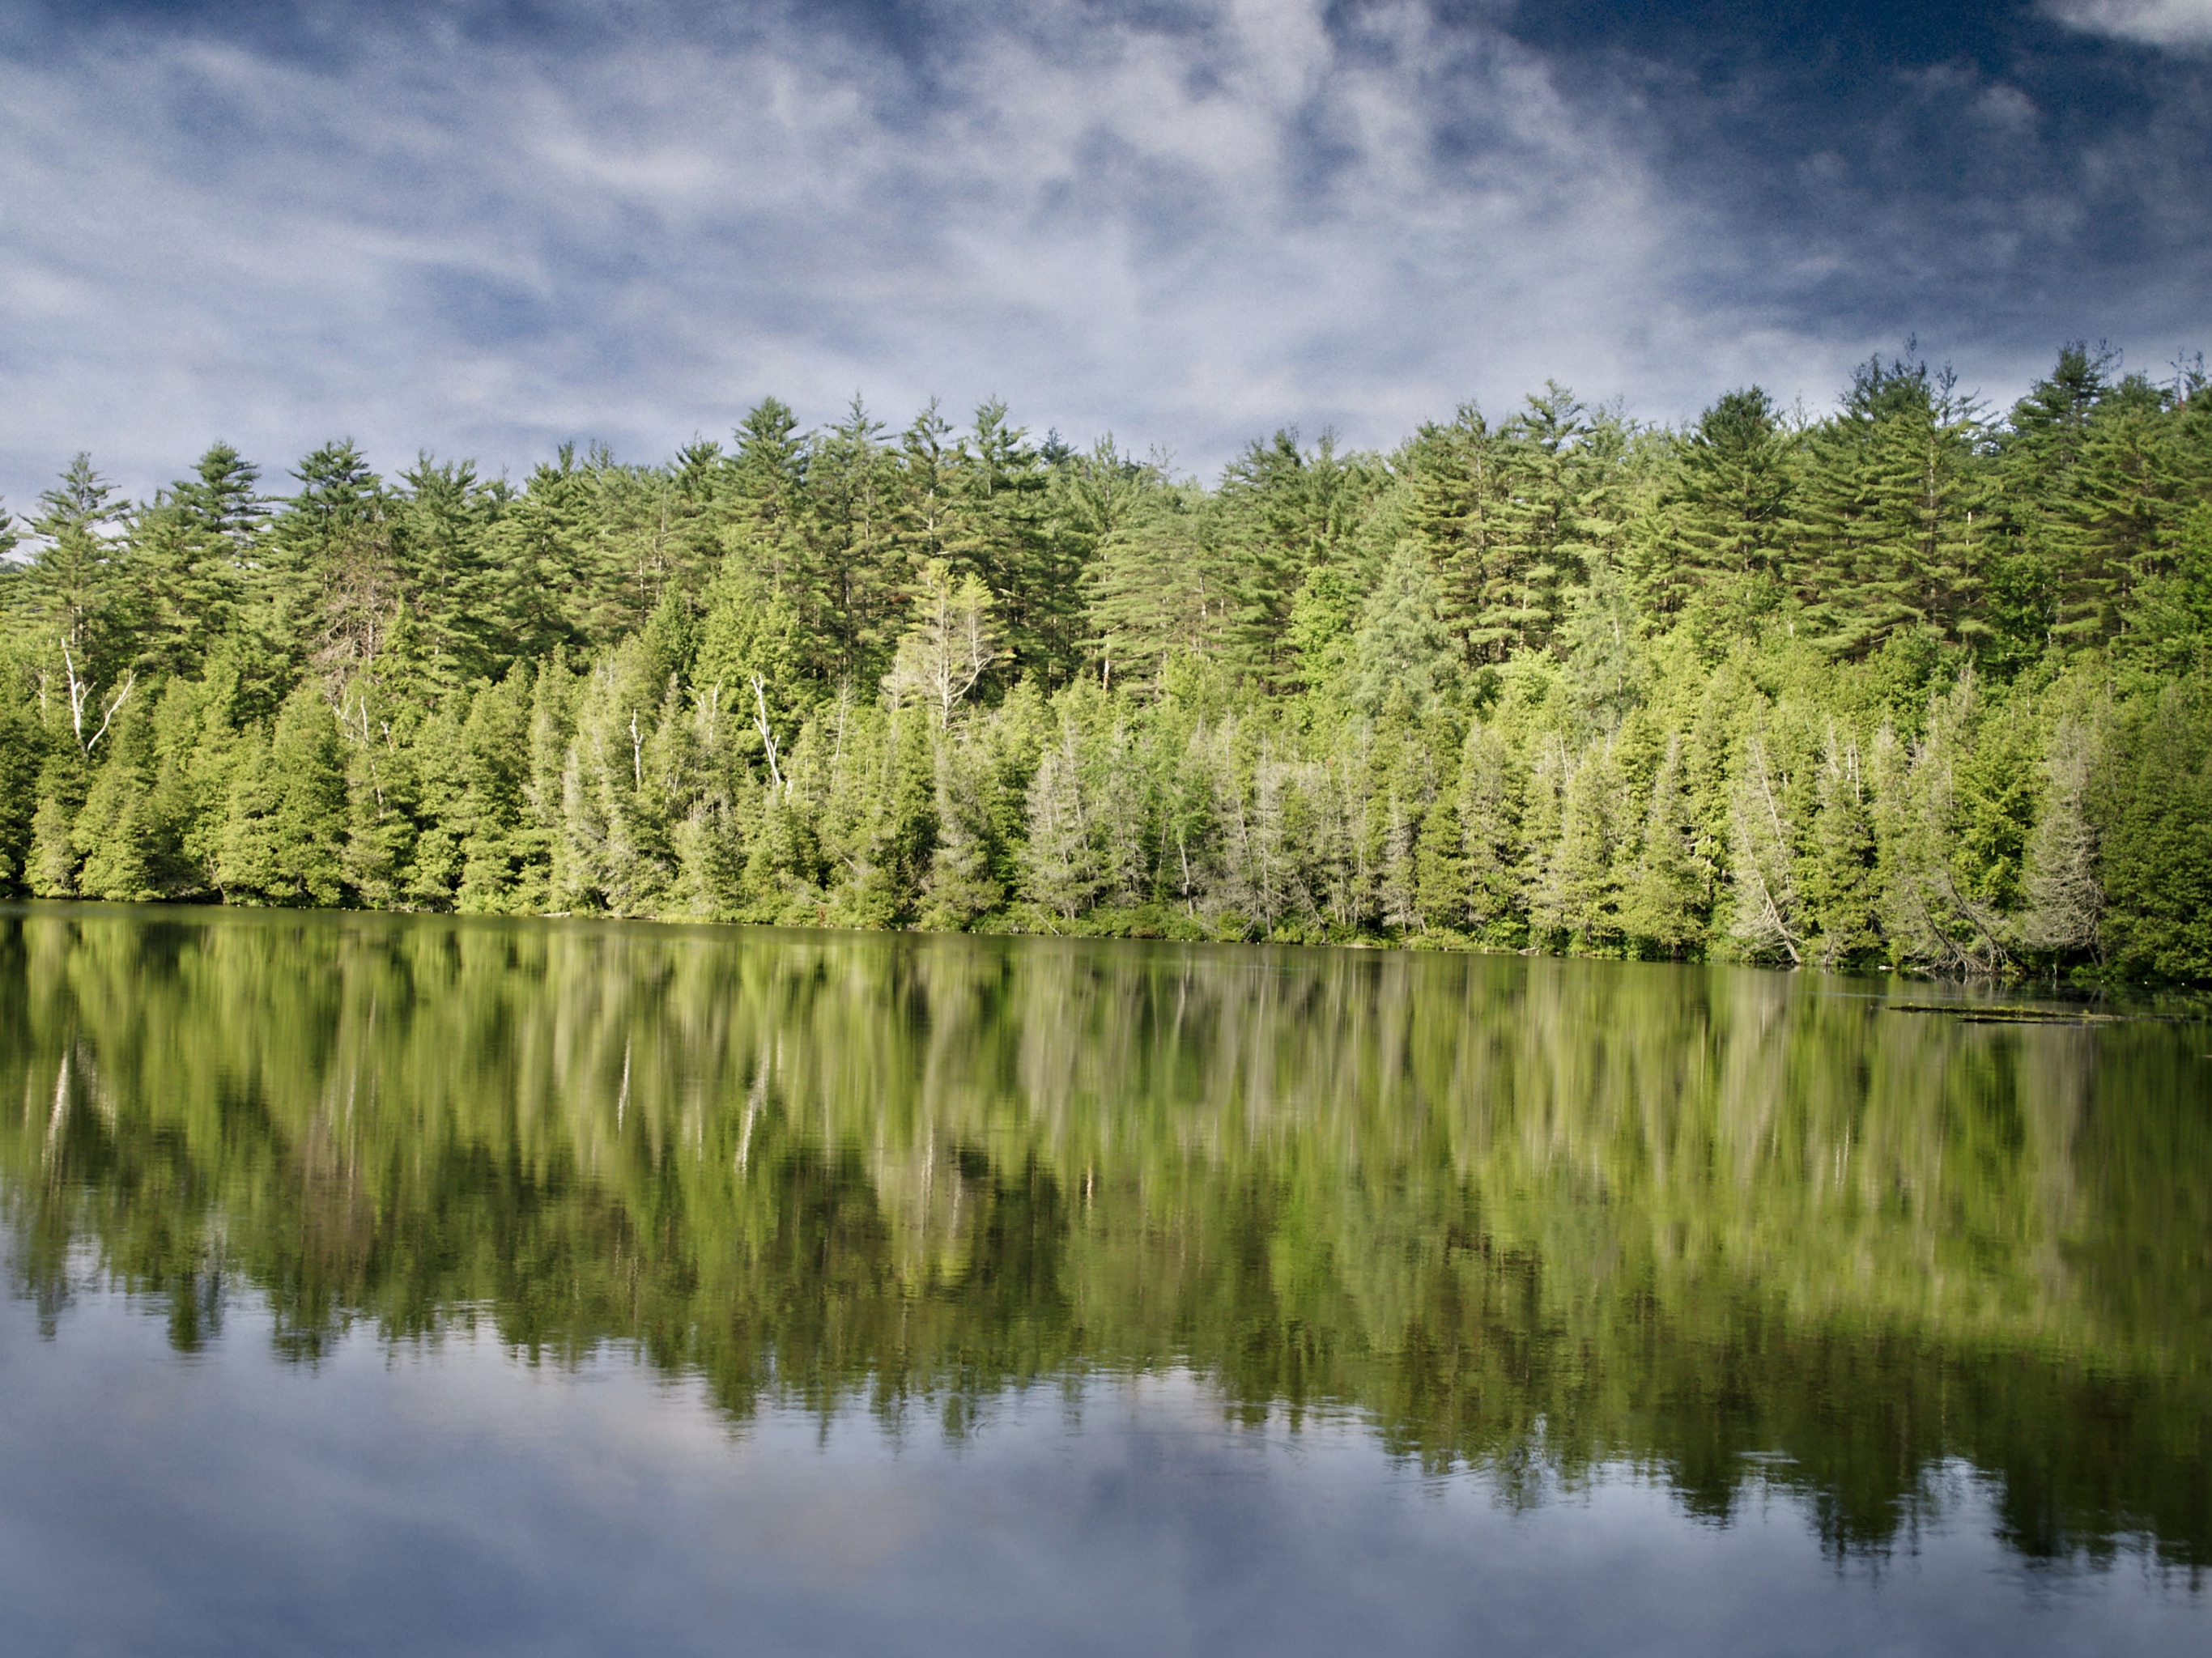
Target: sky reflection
<point>450,1496</point>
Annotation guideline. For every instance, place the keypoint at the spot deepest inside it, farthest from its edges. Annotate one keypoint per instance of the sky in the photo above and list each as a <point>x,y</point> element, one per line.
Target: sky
<point>488,228</point>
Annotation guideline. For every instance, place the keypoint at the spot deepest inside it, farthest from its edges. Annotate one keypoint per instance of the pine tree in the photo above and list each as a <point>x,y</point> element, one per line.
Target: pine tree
<point>1929,914</point>
<point>2156,858</point>
<point>853,488</point>
<point>949,644</point>
<point>1288,511</point>
<point>961,886</point>
<point>1665,904</point>
<point>123,845</point>
<point>1581,895</point>
<point>1769,922</point>
<point>1841,906</point>
<point>1453,492</point>
<point>52,857</point>
<point>2166,624</point>
<point>1008,538</point>
<point>1489,815</point>
<point>495,748</point>
<point>1440,866</point>
<point>308,762</point>
<point>1605,664</point>
<point>1059,864</point>
<point>890,856</point>
<point>2066,897</point>
<point>2104,532</point>
<point>1898,512</point>
<point>1165,585</point>
<point>1555,480</point>
<point>1727,538</point>
<point>443,529</point>
<point>246,858</point>
<point>552,588</point>
<point>80,601</point>
<point>1399,888</point>
<point>75,573</point>
<point>414,844</point>
<point>762,503</point>
<point>615,851</point>
<point>332,580</point>
<point>1400,646</point>
<point>194,550</point>
<point>22,747</point>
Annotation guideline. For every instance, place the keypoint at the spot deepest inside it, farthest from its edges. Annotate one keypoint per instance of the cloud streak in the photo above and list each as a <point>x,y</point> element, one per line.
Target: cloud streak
<point>493,230</point>
<point>2159,22</point>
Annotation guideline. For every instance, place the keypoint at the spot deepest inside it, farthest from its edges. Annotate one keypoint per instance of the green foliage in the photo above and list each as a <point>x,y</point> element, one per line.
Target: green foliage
<point>1400,646</point>
<point>2157,853</point>
<point>286,814</point>
<point>22,747</point>
<point>1833,692</point>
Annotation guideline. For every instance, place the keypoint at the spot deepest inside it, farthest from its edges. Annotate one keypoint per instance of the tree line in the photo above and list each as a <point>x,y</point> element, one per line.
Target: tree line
<point>1907,684</point>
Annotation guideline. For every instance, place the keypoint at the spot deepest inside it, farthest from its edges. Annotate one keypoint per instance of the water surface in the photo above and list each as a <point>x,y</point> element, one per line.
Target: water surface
<point>558,1287</point>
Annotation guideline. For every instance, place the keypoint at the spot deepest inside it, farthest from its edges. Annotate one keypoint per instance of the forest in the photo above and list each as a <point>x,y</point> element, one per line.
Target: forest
<point>1912,684</point>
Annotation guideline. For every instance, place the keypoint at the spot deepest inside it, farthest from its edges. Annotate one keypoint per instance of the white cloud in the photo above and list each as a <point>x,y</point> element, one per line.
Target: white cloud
<point>1188,234</point>
<point>2156,22</point>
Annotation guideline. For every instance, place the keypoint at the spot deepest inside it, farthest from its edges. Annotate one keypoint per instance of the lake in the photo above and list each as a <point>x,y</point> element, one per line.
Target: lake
<point>486,1286</point>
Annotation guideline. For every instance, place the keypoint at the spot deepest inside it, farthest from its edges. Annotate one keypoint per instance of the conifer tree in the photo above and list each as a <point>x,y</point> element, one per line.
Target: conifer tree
<point>893,832</point>
<point>1454,495</point>
<point>1440,866</point>
<point>1553,490</point>
<point>1399,887</point>
<point>1165,586</point>
<point>615,851</point>
<point>551,590</point>
<point>1400,646</point>
<point>1769,922</point>
<point>949,645</point>
<point>763,500</point>
<point>1665,902</point>
<point>1006,537</point>
<point>308,763</point>
<point>2155,858</point>
<point>1581,895</point>
<point>23,746</point>
<point>81,602</point>
<point>962,885</point>
<point>2166,624</point>
<point>2066,898</point>
<point>194,547</point>
<point>1060,868</point>
<point>1490,829</point>
<point>246,860</point>
<point>1290,510</point>
<point>1898,512</point>
<point>442,528</point>
<point>52,857</point>
<point>1728,540</point>
<point>853,502</point>
<point>124,845</point>
<point>1928,913</point>
<point>1841,898</point>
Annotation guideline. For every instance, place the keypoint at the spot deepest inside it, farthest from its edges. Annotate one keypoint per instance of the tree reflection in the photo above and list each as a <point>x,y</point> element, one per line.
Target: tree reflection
<point>1742,1229</point>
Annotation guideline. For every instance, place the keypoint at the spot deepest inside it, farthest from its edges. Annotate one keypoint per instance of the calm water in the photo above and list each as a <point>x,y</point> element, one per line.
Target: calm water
<point>581,1287</point>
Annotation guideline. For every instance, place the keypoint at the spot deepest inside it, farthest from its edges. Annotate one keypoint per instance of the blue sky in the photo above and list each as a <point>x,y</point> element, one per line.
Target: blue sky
<point>485,228</point>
